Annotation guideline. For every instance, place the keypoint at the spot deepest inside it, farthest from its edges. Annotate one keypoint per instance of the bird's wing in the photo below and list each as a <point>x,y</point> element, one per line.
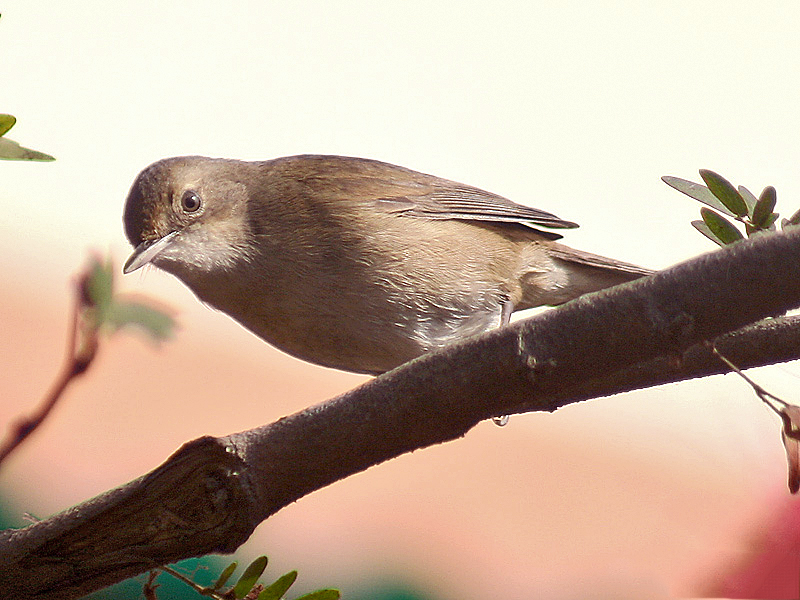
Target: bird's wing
<point>396,189</point>
<point>458,201</point>
<point>419,195</point>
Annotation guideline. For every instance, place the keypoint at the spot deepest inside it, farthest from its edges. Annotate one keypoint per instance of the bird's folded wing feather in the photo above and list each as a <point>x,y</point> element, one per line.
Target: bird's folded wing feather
<point>434,198</point>
<point>400,190</point>
<point>593,260</point>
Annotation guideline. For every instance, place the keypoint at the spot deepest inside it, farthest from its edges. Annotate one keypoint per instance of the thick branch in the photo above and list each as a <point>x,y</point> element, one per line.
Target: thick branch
<point>212,493</point>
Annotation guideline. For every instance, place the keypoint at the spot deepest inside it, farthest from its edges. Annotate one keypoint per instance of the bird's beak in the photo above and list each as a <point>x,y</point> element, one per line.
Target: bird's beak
<point>145,252</point>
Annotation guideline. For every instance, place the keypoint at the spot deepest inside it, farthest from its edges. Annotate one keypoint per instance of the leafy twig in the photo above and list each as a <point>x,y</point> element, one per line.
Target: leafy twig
<point>96,309</point>
<point>202,590</point>
<point>790,418</point>
<point>247,587</point>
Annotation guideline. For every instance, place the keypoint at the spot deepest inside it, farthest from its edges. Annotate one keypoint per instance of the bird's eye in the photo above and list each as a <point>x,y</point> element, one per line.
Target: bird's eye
<point>190,201</point>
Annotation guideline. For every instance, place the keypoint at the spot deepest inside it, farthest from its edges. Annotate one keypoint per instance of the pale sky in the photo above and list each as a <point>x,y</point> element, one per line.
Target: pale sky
<point>577,108</point>
<point>574,107</point>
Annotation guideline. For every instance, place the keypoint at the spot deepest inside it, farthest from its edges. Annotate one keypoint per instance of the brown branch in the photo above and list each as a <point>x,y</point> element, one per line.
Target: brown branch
<point>211,494</point>
<point>767,342</point>
<point>82,344</point>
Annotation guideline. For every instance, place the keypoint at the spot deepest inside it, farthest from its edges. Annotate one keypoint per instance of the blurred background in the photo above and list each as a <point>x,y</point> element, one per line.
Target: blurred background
<point>573,107</point>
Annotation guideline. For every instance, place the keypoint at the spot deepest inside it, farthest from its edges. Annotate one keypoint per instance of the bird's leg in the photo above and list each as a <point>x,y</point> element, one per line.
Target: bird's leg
<point>505,314</point>
<point>505,319</point>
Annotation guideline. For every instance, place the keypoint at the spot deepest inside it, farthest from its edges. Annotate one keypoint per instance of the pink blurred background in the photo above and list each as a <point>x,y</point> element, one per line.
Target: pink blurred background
<point>672,492</point>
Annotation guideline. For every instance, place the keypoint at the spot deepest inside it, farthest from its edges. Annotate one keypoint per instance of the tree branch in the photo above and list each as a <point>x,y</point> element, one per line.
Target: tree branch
<point>82,346</point>
<point>211,494</point>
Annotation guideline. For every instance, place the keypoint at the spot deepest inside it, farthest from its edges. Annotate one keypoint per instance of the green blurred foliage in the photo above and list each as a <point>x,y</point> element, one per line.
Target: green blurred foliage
<point>11,150</point>
<point>112,312</point>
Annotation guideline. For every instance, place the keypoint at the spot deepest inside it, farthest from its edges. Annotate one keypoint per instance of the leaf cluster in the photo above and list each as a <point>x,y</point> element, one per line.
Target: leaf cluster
<point>247,586</point>
<point>726,204</point>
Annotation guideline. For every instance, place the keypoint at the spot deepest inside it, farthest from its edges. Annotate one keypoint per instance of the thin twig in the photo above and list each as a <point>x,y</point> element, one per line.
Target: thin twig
<point>766,397</point>
<point>202,590</point>
<point>790,418</point>
<point>81,350</point>
<point>149,589</point>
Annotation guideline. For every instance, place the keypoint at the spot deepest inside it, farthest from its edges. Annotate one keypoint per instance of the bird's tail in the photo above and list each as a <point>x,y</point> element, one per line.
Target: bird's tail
<point>583,272</point>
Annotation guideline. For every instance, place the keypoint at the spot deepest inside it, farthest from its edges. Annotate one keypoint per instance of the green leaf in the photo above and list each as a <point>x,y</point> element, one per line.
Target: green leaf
<point>725,192</point>
<point>764,207</point>
<point>13,151</point>
<point>225,575</point>
<point>101,284</point>
<point>703,228</point>
<point>6,123</point>
<point>751,231</point>
<point>250,577</point>
<point>156,323</point>
<point>697,191</point>
<point>722,229</point>
<point>791,221</point>
<point>281,585</point>
<point>749,199</point>
<point>770,222</point>
<point>322,595</point>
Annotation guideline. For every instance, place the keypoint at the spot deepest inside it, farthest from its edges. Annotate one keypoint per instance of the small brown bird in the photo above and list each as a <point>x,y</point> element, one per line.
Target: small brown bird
<point>352,263</point>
